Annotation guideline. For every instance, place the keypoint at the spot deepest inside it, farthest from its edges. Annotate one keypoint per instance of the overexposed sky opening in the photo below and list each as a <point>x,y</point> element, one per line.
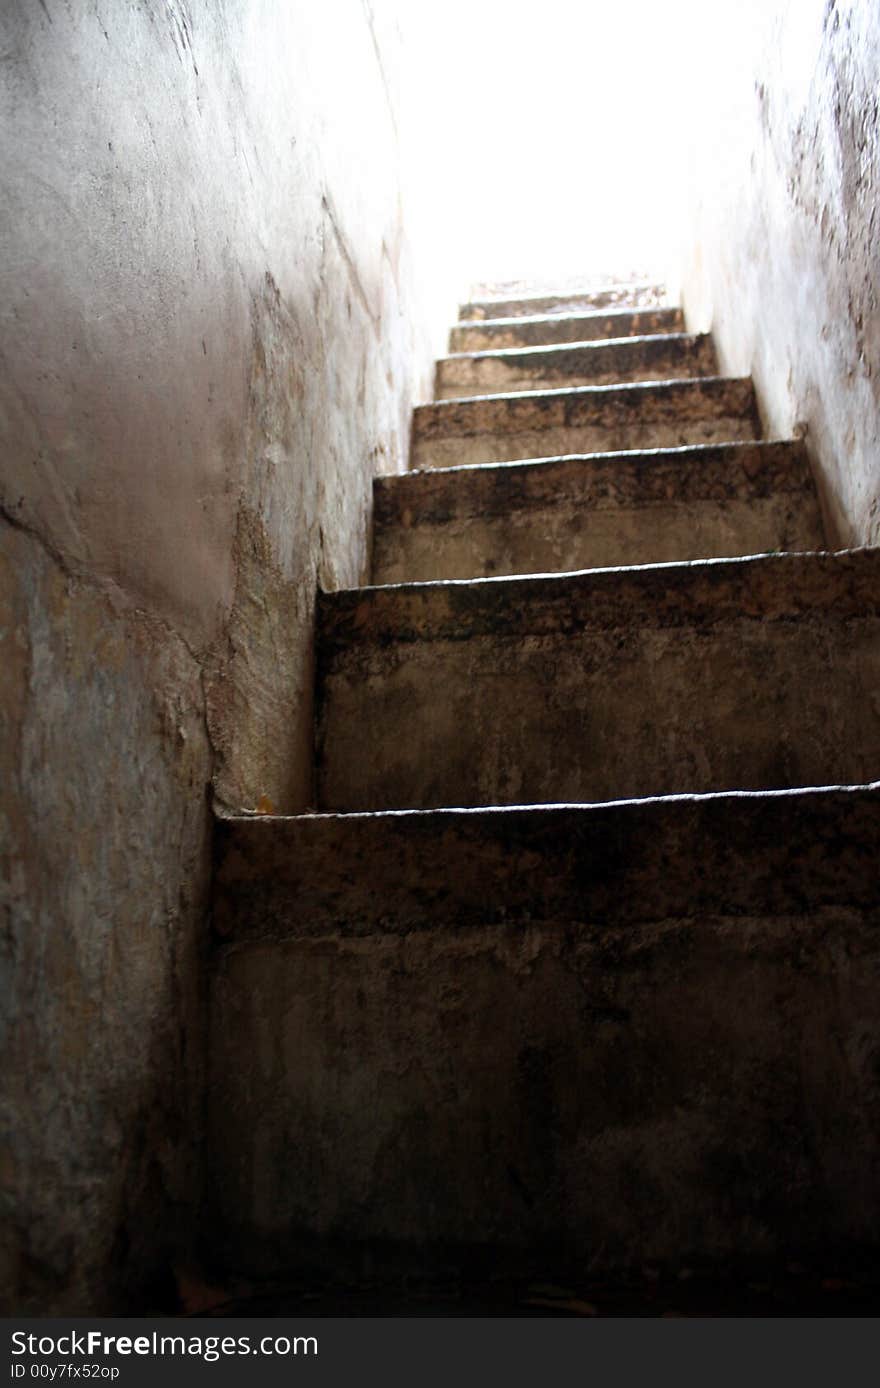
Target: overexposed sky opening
<point>549,140</point>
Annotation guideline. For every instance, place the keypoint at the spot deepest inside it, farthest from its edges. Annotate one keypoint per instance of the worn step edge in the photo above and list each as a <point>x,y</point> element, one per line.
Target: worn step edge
<point>599,296</point>
<point>529,330</point>
<point>767,587</point>
<point>516,411</point>
<point>621,862</point>
<point>636,476</point>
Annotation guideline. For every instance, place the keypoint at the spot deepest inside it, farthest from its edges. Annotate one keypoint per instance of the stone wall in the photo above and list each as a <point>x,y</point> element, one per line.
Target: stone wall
<point>208,350</point>
<point>780,257</point>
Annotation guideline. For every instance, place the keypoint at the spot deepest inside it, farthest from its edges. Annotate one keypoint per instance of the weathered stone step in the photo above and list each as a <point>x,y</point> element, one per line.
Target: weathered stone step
<point>566,301</point>
<point>490,334</point>
<point>587,419</point>
<point>725,674</point>
<point>600,1035</point>
<point>559,514</point>
<point>664,357</point>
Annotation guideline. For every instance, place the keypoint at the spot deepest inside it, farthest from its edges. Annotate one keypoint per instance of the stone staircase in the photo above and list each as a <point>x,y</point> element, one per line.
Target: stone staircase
<point>578,965</point>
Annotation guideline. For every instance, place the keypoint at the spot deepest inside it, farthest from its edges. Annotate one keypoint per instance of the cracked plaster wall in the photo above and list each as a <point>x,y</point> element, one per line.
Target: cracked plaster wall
<point>210,341</point>
<point>781,259</point>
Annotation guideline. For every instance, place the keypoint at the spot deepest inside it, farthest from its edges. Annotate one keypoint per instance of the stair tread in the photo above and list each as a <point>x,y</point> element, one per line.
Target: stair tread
<point>624,360</point>
<point>597,297</point>
<point>548,351</point>
<point>501,426</point>
<point>575,315</point>
<point>545,401</point>
<point>583,511</point>
<point>756,465</point>
<point>838,581</point>
<point>543,329</point>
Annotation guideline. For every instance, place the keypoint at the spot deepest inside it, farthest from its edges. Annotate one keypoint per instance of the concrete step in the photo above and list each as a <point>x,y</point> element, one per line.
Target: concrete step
<point>490,334</point>
<point>559,514</point>
<point>566,301</point>
<point>527,1039</point>
<point>724,674</point>
<point>664,357</point>
<point>587,419</point>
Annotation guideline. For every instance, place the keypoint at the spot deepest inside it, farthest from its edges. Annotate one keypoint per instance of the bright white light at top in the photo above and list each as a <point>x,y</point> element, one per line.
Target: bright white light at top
<point>550,138</point>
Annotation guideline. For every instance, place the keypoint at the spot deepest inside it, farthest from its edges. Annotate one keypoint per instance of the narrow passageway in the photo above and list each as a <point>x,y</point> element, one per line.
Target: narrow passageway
<point>440,832</point>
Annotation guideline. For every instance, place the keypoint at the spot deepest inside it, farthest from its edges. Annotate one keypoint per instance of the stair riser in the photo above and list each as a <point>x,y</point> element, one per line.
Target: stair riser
<point>663,1093</point>
<point>610,296</point>
<point>585,718</point>
<point>533,700</point>
<point>493,334</point>
<point>579,513</point>
<point>508,427</point>
<point>622,865</point>
<point>561,540</point>
<point>509,447</point>
<point>651,359</point>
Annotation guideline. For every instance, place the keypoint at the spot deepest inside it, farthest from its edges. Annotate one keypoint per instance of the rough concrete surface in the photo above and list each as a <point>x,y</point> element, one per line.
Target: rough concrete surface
<point>524,1040</point>
<point>779,257</point>
<point>490,334</point>
<point>526,305</point>
<point>755,673</point>
<point>210,344</point>
<point>586,419</point>
<point>623,863</point>
<point>662,357</point>
<point>565,1037</point>
<point>589,512</point>
<point>105,765</point>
